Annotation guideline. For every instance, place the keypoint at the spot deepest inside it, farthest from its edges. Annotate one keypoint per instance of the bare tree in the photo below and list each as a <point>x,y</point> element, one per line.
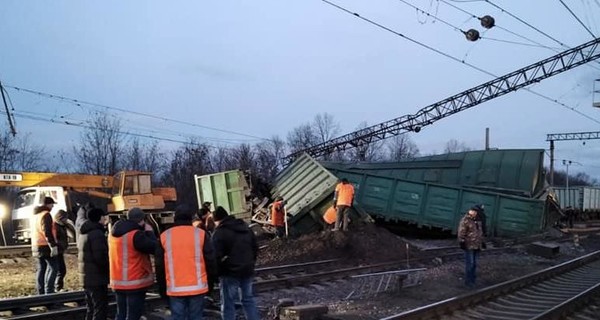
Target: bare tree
<point>269,155</point>
<point>21,154</point>
<point>402,147</point>
<point>101,145</point>
<point>325,127</point>
<point>144,157</point>
<point>190,159</point>
<point>454,145</point>
<point>302,137</point>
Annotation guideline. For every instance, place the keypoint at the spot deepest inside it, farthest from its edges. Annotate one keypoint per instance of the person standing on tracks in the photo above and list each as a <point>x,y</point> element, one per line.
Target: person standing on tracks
<point>236,250</point>
<point>44,247</point>
<point>130,244</point>
<point>470,237</point>
<point>342,202</point>
<point>63,228</point>
<point>278,216</point>
<point>185,265</point>
<point>92,258</point>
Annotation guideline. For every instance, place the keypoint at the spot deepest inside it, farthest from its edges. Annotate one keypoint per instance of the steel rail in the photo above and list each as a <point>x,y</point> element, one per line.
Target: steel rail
<point>552,290</point>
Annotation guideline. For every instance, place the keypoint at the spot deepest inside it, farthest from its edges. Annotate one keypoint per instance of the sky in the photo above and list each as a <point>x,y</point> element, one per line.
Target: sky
<point>260,68</point>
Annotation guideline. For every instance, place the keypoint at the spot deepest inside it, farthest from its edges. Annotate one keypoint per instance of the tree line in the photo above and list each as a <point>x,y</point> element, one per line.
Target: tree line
<point>104,149</point>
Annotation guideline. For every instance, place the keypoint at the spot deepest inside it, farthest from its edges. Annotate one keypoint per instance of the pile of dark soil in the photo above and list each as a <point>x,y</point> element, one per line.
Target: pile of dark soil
<point>364,243</point>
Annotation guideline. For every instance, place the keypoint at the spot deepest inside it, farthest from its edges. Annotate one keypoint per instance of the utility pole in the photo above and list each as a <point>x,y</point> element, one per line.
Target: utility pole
<point>567,163</point>
<point>566,137</point>
<point>487,138</point>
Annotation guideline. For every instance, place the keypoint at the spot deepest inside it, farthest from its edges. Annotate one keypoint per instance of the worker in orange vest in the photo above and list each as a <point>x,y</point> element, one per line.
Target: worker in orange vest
<point>278,216</point>
<point>342,201</point>
<point>44,247</point>
<point>130,244</point>
<point>185,264</point>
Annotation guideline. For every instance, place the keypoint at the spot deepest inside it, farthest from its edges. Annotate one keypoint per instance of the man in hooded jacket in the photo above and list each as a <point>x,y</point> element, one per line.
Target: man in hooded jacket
<point>236,250</point>
<point>93,264</point>
<point>63,228</point>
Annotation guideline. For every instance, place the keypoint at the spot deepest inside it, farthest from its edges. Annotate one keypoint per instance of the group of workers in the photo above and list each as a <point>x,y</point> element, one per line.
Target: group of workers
<point>190,256</point>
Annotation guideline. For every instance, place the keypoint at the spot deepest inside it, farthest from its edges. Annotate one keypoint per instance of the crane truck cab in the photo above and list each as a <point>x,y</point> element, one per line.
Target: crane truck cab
<point>114,194</point>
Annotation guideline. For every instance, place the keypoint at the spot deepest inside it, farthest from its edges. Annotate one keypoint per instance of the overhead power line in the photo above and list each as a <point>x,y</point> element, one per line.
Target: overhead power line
<point>526,23</point>
<point>82,103</point>
<point>555,101</point>
<point>577,18</point>
<point>82,125</point>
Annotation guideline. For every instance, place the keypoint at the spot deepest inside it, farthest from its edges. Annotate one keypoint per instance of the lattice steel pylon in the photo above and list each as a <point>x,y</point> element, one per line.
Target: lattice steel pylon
<point>513,81</point>
<point>563,137</point>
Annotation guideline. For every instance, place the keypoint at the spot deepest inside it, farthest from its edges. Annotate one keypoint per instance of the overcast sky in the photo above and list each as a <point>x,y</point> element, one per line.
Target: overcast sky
<point>259,68</point>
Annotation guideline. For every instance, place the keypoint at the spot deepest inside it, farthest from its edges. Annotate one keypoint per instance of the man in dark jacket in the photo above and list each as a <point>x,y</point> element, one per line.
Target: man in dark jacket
<point>130,244</point>
<point>236,250</point>
<point>63,228</point>
<point>93,265</point>
<point>44,247</point>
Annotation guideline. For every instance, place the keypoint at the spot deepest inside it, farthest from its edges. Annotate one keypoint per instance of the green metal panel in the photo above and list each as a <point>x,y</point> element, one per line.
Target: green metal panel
<point>303,185</point>
<point>227,189</point>
<point>442,206</point>
<point>508,171</point>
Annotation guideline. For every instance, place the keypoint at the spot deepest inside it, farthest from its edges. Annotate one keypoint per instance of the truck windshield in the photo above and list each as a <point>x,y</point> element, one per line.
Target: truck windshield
<point>24,199</point>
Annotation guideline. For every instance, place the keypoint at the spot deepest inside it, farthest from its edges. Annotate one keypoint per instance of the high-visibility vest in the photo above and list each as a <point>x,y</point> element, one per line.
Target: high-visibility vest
<point>277,214</point>
<point>38,234</point>
<point>330,215</point>
<point>184,261</point>
<point>345,194</point>
<point>129,268</point>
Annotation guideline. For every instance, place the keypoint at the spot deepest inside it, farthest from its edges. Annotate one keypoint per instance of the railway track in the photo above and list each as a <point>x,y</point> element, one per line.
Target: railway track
<point>554,293</point>
<point>67,304</point>
<point>25,250</point>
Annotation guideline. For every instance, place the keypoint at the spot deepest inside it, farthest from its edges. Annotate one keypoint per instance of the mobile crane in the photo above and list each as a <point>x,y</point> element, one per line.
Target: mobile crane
<point>115,194</point>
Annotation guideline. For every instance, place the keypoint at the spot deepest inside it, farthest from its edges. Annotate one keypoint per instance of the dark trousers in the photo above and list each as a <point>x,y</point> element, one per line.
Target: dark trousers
<point>96,299</point>
<point>45,273</point>
<point>280,231</point>
<point>61,272</point>
<point>187,308</point>
<point>130,305</point>
<point>471,267</point>
<point>341,219</point>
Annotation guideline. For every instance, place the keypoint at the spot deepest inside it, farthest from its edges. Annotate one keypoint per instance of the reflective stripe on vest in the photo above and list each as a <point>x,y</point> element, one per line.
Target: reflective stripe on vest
<point>129,268</point>
<point>185,267</point>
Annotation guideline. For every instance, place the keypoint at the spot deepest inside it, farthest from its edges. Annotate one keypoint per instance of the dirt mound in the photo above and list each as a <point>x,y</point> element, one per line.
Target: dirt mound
<point>365,243</point>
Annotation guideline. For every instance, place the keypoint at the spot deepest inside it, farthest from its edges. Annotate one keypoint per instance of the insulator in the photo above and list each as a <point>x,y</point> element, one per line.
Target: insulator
<point>416,129</point>
<point>488,21</point>
<point>472,35</point>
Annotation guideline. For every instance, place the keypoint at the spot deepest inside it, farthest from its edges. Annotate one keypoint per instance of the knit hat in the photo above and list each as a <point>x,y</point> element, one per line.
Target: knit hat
<point>184,213</point>
<point>48,200</point>
<point>95,214</point>
<point>219,214</point>
<point>135,214</point>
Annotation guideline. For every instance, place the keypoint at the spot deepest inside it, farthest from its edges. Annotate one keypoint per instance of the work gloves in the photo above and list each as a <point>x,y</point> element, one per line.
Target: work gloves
<point>483,245</point>
<point>463,245</point>
<point>53,251</point>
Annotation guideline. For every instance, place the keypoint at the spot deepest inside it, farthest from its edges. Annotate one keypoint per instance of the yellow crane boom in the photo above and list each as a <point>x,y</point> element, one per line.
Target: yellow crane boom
<point>30,179</point>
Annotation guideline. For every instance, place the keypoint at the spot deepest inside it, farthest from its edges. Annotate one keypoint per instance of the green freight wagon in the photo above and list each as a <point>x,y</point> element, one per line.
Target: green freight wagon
<point>442,206</point>
<point>229,189</point>
<point>308,189</point>
<point>515,171</point>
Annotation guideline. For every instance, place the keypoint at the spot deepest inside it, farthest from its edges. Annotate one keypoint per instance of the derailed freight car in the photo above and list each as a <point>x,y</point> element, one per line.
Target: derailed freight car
<point>309,187</point>
<point>511,171</point>
<point>442,206</point>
